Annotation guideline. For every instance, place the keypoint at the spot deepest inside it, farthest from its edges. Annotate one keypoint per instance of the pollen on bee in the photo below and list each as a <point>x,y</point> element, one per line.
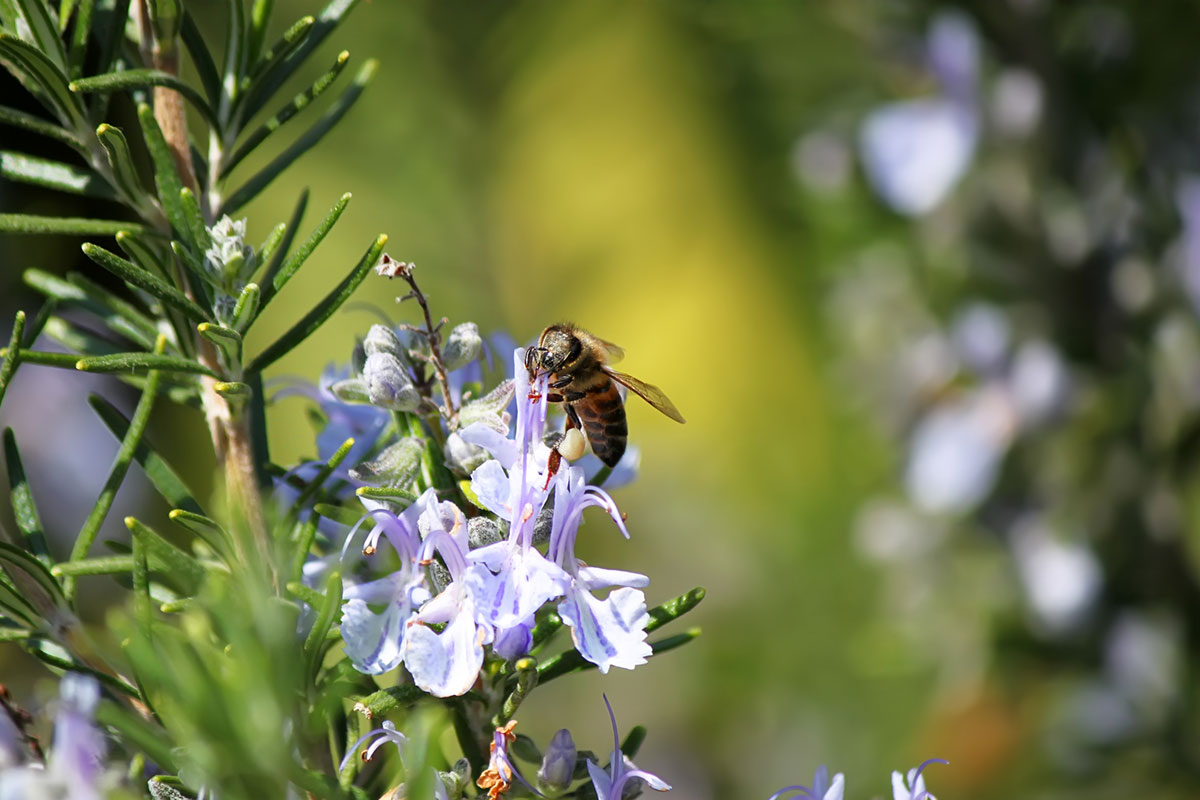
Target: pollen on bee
<point>572,444</point>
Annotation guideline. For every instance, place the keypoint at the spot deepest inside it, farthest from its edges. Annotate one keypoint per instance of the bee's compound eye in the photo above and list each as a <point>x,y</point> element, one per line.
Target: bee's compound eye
<point>571,446</point>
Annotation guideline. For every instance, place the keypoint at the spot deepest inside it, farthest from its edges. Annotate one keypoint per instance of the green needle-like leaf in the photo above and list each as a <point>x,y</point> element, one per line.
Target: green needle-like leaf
<point>202,60</point>
<point>162,477</point>
<point>329,18</point>
<point>74,226</point>
<point>315,644</point>
<point>314,134</point>
<point>33,579</point>
<point>131,79</point>
<point>38,649</point>
<point>323,310</point>
<point>144,255</point>
<point>281,117</point>
<point>246,308</point>
<point>572,661</point>
<point>110,28</point>
<point>296,260</point>
<point>228,340</point>
<point>20,119</point>
<point>386,493</point>
<point>307,594</point>
<point>46,79</point>
<point>105,565</point>
<point>235,56</point>
<point>166,177</point>
<point>114,309</point>
<point>78,340</point>
<point>260,17</point>
<point>43,25</point>
<point>13,354</point>
<point>293,227</point>
<point>270,246</point>
<point>387,700</point>
<point>181,567</point>
<point>79,35</point>
<point>275,56</point>
<point>137,428</point>
<point>323,474</point>
<point>144,280</point>
<point>122,362</point>
<point>53,175</point>
<point>151,738</point>
<point>339,514</point>
<point>304,540</point>
<point>210,532</point>
<point>200,238</point>
<point>674,609</point>
<point>21,497</point>
<point>120,159</point>
<point>45,359</point>
<point>143,608</point>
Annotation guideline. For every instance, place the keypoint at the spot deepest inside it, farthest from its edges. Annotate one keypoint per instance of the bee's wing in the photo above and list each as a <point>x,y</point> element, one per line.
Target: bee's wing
<point>612,352</point>
<point>651,394</point>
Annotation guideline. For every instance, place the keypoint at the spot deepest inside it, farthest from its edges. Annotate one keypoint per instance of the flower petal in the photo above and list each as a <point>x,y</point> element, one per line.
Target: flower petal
<point>373,641</point>
<point>444,664</point>
<point>609,632</point>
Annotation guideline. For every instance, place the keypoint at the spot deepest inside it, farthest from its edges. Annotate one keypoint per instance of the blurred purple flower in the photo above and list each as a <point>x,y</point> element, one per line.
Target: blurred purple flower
<point>912,786</point>
<point>1187,201</point>
<point>611,785</point>
<point>915,151</point>
<point>821,789</point>
<point>76,762</point>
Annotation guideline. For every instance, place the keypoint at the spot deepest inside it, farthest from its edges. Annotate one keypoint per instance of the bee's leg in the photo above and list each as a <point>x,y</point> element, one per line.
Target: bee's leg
<point>561,383</point>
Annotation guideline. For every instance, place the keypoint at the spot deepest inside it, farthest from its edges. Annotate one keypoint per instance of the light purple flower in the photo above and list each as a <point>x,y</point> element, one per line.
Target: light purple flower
<point>912,786</point>
<point>611,785</point>
<point>445,664</point>
<point>821,789</point>
<point>511,580</point>
<point>609,632</point>
<point>374,641</point>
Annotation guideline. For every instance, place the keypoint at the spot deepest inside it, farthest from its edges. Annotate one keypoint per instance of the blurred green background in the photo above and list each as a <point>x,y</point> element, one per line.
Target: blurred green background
<point>650,172</point>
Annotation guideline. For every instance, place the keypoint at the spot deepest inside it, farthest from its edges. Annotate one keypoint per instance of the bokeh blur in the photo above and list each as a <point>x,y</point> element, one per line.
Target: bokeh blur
<point>923,277</point>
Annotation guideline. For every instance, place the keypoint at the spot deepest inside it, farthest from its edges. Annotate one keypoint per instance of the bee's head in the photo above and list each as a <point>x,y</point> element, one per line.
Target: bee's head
<point>556,349</point>
<point>559,348</point>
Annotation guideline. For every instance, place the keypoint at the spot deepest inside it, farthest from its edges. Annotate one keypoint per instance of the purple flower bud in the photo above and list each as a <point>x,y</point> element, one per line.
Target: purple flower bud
<point>558,765</point>
<point>388,383</point>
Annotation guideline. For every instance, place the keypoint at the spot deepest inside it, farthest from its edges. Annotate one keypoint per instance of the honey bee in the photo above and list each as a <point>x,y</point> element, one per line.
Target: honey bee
<point>582,380</point>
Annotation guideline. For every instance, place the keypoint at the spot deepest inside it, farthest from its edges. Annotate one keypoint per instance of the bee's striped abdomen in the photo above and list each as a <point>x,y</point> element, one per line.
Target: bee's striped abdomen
<point>602,415</point>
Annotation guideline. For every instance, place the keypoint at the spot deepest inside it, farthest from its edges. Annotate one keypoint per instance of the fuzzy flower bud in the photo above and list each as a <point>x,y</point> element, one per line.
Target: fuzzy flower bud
<point>382,339</point>
<point>397,465</point>
<point>462,345</point>
<point>558,765</point>
<point>229,257</point>
<point>461,456</point>
<point>388,383</point>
